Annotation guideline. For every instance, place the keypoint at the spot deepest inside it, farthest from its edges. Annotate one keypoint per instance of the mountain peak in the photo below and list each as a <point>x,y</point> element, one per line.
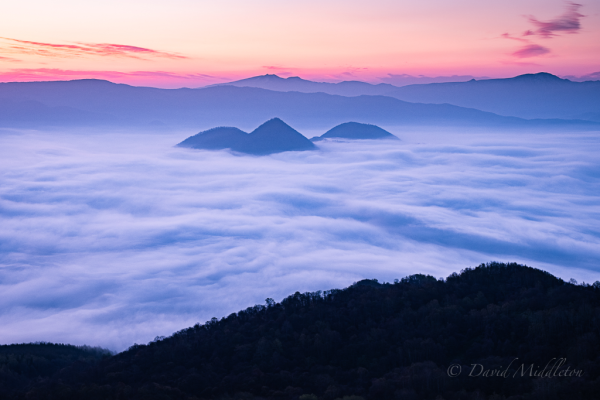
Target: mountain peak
<point>265,76</point>
<point>275,136</point>
<point>539,77</point>
<point>223,137</point>
<point>275,122</point>
<point>356,130</point>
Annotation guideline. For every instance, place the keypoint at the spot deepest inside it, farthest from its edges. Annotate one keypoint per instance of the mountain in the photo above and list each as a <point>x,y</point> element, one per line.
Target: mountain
<point>420,337</point>
<point>102,103</point>
<point>539,95</point>
<point>297,84</point>
<point>355,130</point>
<point>34,114</point>
<point>216,139</point>
<point>274,136</point>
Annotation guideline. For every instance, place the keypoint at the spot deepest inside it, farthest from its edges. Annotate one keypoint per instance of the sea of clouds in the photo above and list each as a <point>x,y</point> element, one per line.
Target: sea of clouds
<point>114,238</point>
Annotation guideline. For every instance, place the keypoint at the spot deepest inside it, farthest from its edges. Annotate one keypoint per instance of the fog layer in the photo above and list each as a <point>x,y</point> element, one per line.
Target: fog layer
<point>110,239</point>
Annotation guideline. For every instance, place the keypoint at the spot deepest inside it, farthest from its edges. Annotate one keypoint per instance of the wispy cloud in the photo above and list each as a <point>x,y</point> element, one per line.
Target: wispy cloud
<point>348,72</point>
<point>566,23</point>
<point>36,73</point>
<point>594,76</point>
<point>110,239</point>
<point>9,59</point>
<point>282,71</point>
<point>16,46</point>
<point>511,37</point>
<point>531,50</point>
<point>275,68</point>
<point>520,63</point>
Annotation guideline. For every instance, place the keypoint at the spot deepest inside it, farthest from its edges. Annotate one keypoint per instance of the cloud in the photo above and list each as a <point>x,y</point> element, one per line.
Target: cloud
<point>36,73</point>
<point>511,37</point>
<point>594,76</point>
<point>275,68</point>
<point>82,49</point>
<point>520,63</point>
<point>566,23</point>
<point>9,59</point>
<point>280,71</point>
<point>531,50</point>
<point>107,49</point>
<point>114,238</point>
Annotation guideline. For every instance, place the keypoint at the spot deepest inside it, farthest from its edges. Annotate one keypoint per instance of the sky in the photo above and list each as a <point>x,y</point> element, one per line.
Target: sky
<point>192,43</point>
<point>110,239</point>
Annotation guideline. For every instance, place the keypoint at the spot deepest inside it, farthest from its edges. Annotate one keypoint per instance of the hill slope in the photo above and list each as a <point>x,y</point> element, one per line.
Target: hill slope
<point>373,340</point>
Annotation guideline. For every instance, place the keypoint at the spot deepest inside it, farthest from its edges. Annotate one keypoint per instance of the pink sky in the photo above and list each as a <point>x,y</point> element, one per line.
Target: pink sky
<point>194,43</point>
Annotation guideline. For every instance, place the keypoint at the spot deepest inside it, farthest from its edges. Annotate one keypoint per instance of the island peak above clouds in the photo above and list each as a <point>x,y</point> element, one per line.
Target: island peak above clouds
<point>274,136</point>
<point>356,130</point>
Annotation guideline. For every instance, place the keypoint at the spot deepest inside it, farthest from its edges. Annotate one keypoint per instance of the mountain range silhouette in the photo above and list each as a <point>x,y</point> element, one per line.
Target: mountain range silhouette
<point>97,103</point>
<point>539,95</point>
<point>297,84</point>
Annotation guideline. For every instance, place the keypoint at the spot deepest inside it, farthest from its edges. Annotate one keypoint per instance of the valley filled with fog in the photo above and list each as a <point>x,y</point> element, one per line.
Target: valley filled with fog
<point>116,237</point>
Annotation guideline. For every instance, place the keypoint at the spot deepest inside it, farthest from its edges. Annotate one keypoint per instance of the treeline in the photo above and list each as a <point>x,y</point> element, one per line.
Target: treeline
<point>373,341</point>
<point>24,365</point>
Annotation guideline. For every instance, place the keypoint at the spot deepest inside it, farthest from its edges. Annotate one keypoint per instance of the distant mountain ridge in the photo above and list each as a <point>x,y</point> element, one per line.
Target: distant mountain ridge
<point>97,103</point>
<point>540,95</point>
<point>274,136</point>
<point>297,84</point>
<point>29,113</point>
<point>537,95</point>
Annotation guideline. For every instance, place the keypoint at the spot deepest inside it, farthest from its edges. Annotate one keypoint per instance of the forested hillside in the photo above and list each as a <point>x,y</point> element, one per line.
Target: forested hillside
<point>372,340</point>
<point>23,365</point>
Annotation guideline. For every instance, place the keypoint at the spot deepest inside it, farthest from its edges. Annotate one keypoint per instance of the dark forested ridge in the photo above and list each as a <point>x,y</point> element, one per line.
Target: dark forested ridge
<point>22,365</point>
<point>370,341</point>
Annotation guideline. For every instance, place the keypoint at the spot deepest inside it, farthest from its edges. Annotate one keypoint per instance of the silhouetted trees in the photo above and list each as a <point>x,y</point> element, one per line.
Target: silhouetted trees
<point>24,365</point>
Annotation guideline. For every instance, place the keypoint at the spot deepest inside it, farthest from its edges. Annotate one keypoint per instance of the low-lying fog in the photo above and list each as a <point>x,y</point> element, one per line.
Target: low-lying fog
<point>115,238</point>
